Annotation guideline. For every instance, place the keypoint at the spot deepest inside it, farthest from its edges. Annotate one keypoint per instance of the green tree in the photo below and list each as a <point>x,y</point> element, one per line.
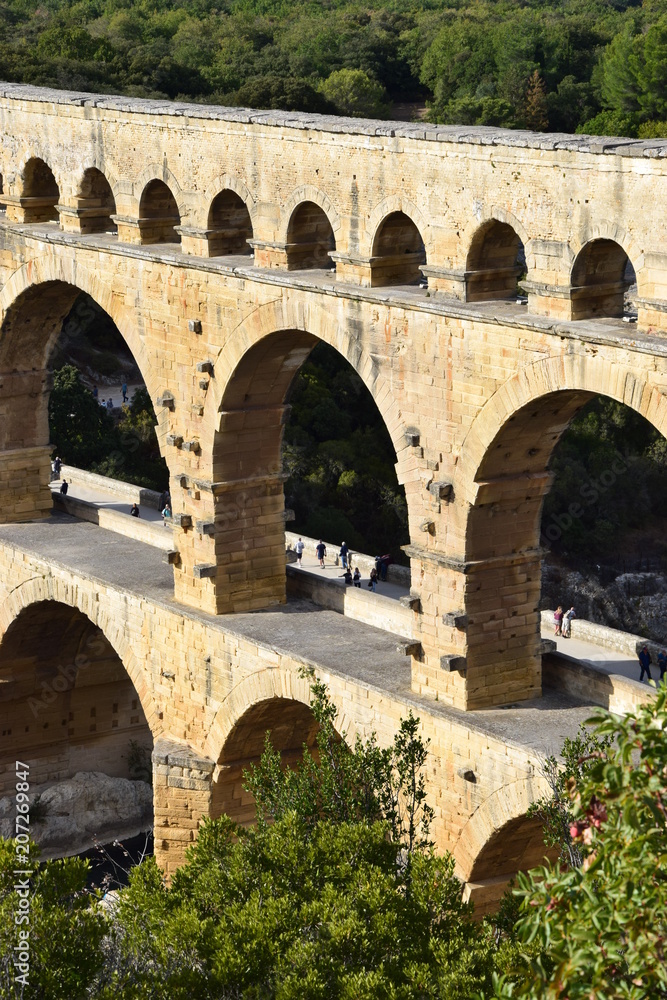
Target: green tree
<point>335,893</point>
<point>66,931</point>
<point>353,92</point>
<point>536,109</point>
<point>81,430</point>
<point>603,924</point>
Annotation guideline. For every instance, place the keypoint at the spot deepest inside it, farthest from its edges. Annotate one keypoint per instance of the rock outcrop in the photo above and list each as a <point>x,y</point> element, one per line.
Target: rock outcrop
<point>90,808</point>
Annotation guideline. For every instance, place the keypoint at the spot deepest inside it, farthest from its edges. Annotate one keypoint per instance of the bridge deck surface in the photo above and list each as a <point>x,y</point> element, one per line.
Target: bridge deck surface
<point>301,629</point>
<point>606,660</point>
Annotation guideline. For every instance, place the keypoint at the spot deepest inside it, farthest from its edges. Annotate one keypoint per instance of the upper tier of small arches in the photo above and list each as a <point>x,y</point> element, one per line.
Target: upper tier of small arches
<point>397,249</point>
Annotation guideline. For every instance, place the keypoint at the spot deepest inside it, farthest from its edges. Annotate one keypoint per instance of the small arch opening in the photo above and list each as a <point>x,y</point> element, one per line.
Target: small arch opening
<point>158,214</point>
<point>40,192</point>
<point>601,277</point>
<point>398,252</point>
<point>310,239</point>
<point>496,262</point>
<point>229,226</point>
<point>95,203</point>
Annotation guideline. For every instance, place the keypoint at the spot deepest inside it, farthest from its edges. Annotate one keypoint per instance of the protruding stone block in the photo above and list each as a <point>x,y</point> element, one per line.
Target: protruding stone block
<point>409,648</point>
<point>192,446</point>
<point>205,367</point>
<point>204,571</point>
<point>205,527</point>
<point>453,664</point>
<point>442,490</point>
<point>172,557</point>
<point>174,440</point>
<point>166,399</point>
<point>182,520</point>
<point>456,619</point>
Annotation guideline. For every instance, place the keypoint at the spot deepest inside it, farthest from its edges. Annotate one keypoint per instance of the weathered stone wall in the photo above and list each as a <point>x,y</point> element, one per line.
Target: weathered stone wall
<point>199,684</point>
<point>475,391</point>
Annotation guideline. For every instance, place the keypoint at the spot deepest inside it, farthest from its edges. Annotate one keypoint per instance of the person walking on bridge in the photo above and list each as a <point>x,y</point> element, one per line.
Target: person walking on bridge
<point>321,551</point>
<point>644,663</point>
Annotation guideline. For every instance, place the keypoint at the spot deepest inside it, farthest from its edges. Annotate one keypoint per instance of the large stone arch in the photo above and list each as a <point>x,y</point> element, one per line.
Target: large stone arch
<point>503,479</point>
<point>500,840</point>
<point>568,372</point>
<point>52,588</point>
<point>284,314</point>
<point>261,686</point>
<point>274,700</point>
<point>242,542</point>
<point>506,805</point>
<point>54,267</point>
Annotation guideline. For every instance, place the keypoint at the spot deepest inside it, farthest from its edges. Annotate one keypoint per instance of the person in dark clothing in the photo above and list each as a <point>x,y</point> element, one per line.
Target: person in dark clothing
<point>321,551</point>
<point>64,486</point>
<point>644,663</point>
<point>662,662</point>
<point>347,576</point>
<point>356,579</point>
<point>135,510</point>
<point>382,564</point>
<point>343,555</point>
<point>57,466</point>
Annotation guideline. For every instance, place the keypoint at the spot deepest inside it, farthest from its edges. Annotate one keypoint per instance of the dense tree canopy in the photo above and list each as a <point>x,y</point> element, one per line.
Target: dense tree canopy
<point>336,893</point>
<point>477,63</point>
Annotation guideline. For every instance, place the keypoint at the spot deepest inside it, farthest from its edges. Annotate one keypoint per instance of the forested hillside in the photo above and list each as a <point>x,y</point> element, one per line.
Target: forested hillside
<point>597,65</point>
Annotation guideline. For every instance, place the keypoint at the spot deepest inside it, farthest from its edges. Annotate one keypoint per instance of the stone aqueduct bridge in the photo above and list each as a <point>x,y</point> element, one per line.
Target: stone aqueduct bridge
<point>209,236</point>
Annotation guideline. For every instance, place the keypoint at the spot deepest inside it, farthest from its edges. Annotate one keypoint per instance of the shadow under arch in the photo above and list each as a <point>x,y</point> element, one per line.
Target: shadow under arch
<point>602,272</point>
<point>398,253</point>
<point>310,238</point>
<point>40,193</point>
<point>229,225</point>
<point>274,699</point>
<point>51,590</point>
<point>159,215</point>
<point>69,707</point>
<point>495,261</point>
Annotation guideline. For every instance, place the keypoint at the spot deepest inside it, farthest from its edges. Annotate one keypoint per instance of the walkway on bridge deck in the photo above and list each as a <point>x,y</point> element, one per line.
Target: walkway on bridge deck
<point>301,629</point>
<point>599,657</point>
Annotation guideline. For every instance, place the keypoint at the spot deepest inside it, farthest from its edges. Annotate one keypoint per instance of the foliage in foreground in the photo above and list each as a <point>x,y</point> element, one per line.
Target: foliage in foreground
<point>336,893</point>
<point>603,925</point>
<point>65,930</point>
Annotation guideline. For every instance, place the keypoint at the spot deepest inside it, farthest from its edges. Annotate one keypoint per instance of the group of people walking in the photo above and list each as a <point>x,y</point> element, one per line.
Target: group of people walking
<point>644,657</point>
<point>344,559</point>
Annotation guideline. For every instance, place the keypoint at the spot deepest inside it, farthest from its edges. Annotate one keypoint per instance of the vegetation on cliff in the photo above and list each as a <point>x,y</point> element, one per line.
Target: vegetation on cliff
<point>596,67</point>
